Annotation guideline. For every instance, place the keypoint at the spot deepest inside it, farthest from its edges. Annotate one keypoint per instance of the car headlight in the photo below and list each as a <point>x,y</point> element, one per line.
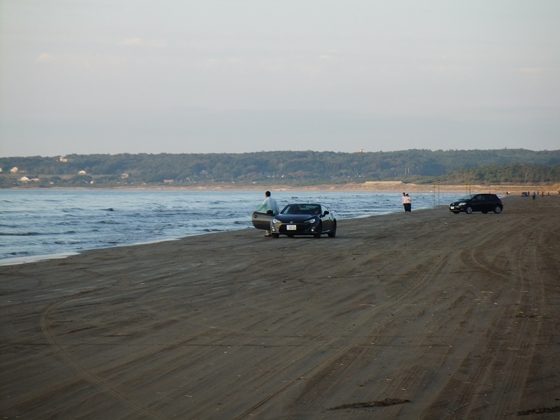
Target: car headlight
<point>310,221</point>
<point>275,221</point>
<point>461,204</point>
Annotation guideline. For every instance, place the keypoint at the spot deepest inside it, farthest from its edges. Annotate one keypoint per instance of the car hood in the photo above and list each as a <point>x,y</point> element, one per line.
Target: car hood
<point>294,218</point>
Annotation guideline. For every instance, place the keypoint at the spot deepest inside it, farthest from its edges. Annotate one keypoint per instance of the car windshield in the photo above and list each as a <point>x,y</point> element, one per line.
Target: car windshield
<point>302,209</point>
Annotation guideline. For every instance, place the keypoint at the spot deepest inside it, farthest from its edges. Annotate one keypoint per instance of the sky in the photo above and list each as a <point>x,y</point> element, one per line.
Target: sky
<point>236,76</point>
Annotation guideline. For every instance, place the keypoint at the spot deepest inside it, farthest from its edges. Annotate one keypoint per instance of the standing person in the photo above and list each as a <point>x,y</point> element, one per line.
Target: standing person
<point>269,206</point>
<point>404,201</point>
<point>408,203</point>
<point>534,194</point>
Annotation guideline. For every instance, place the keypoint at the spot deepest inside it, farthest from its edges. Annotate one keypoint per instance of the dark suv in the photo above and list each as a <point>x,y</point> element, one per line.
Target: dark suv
<point>477,202</point>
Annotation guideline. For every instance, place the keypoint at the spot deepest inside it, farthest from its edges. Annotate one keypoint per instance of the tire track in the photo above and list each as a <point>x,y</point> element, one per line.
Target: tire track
<point>328,375</point>
<point>99,384</point>
<point>321,378</point>
<point>506,358</point>
<point>518,366</point>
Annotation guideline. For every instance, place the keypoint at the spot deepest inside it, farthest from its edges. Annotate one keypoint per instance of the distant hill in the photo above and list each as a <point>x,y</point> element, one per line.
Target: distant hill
<point>283,168</point>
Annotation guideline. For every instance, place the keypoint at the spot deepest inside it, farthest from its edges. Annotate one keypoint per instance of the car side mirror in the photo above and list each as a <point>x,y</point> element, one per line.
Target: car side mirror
<point>326,212</point>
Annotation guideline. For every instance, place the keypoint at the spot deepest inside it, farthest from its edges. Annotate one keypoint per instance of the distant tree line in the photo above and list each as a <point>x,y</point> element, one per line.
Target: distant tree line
<point>283,168</point>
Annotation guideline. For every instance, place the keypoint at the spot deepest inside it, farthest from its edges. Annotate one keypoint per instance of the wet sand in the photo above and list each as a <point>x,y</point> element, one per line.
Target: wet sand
<point>427,315</point>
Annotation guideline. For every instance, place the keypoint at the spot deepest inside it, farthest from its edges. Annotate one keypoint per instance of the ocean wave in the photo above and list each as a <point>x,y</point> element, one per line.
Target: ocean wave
<point>21,233</point>
<point>17,254</point>
<point>70,223</point>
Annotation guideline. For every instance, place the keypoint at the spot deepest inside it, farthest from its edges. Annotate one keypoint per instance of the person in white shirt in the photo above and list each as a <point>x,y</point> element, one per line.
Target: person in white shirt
<point>269,206</point>
<point>407,203</point>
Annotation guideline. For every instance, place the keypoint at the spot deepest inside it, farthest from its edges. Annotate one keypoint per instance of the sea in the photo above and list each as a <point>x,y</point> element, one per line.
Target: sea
<point>45,224</point>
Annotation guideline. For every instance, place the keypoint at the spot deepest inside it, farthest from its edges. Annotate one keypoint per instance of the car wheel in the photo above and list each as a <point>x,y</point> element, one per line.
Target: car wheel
<point>468,210</point>
<point>497,209</point>
<point>275,235</point>
<point>320,229</point>
<point>332,233</point>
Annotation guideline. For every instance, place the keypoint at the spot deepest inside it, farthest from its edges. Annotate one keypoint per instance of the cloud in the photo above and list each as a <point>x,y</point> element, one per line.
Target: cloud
<point>329,55</point>
<point>131,41</point>
<point>44,57</point>
<point>531,70</point>
<point>139,42</point>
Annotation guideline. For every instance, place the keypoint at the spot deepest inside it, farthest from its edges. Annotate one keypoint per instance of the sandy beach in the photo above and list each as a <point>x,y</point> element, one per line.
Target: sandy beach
<point>427,315</point>
<point>361,187</point>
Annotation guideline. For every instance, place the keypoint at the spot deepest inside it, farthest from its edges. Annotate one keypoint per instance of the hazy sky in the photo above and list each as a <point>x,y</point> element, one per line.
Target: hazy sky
<point>192,76</point>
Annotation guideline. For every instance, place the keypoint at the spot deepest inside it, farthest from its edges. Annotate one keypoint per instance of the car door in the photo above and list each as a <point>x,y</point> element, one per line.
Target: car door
<point>487,203</point>
<point>477,202</point>
<point>326,220</point>
<point>261,220</point>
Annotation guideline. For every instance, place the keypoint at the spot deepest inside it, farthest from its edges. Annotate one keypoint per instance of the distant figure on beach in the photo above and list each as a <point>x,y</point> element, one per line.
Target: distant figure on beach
<point>269,206</point>
<point>534,194</point>
<point>407,203</point>
<point>404,201</point>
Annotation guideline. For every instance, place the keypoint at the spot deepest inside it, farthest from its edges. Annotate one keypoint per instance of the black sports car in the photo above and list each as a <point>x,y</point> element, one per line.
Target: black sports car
<point>298,219</point>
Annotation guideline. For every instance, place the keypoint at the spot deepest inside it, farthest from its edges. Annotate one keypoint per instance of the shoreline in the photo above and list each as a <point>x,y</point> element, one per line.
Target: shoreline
<point>62,255</point>
<point>20,260</point>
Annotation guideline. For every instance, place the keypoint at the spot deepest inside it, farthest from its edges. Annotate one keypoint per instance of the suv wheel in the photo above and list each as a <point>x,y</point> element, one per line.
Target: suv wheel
<point>497,209</point>
<point>468,210</point>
